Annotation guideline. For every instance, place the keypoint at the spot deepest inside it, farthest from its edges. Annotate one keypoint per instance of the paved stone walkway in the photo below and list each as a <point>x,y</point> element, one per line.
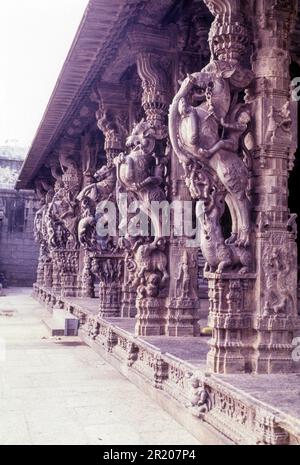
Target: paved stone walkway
<point>58,391</point>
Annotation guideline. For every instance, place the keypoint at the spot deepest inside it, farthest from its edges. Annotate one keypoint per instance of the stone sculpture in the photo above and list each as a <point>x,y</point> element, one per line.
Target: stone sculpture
<point>194,133</point>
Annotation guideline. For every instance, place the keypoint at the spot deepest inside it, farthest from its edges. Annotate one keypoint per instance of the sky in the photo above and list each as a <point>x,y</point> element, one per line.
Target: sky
<point>35,37</point>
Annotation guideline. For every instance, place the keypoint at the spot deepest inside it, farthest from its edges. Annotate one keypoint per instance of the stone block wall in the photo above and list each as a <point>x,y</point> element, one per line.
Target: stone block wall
<point>18,251</point>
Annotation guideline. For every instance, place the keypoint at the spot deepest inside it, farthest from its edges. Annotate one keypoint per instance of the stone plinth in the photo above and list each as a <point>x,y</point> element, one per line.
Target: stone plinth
<point>150,319</point>
<point>230,316</point>
<point>181,317</point>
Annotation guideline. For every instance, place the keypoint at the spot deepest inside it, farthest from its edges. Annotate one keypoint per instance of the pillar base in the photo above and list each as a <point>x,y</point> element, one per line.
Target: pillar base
<point>181,318</point>
<point>230,317</point>
<point>149,319</point>
<point>128,306</point>
<point>110,296</point>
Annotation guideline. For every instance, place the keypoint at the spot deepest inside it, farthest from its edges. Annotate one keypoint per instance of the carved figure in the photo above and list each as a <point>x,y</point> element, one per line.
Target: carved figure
<point>64,209</point>
<point>278,265</point>
<point>183,281</point>
<point>280,123</point>
<point>194,133</point>
<point>218,254</point>
<point>105,184</point>
<point>140,172</point>
<point>87,223</point>
<point>199,399</point>
<point>151,260</point>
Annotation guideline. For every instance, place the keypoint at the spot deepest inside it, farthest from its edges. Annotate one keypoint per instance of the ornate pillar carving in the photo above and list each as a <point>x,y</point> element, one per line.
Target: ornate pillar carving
<point>208,124</point>
<point>155,84</point>
<point>275,316</point>
<point>102,258</point>
<point>141,173</point>
<point>230,297</point>
<point>62,216</point>
<point>44,192</point>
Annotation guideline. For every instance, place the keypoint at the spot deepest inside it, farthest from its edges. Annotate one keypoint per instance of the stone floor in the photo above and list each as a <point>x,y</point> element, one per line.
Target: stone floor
<point>58,391</point>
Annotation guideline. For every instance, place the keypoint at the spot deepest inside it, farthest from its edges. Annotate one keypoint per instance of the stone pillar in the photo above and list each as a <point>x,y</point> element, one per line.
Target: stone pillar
<point>128,299</point>
<point>275,310</point>
<point>87,277</point>
<point>152,285</point>
<point>109,270</point>
<point>108,261</point>
<point>44,192</point>
<point>230,297</point>
<point>64,215</point>
<point>209,140</point>
<point>183,303</point>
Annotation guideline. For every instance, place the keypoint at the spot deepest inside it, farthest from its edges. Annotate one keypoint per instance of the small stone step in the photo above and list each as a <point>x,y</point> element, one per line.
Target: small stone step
<point>62,323</point>
<point>54,327</point>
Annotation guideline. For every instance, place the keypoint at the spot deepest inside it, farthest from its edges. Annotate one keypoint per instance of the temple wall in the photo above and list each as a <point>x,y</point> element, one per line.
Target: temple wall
<point>18,251</point>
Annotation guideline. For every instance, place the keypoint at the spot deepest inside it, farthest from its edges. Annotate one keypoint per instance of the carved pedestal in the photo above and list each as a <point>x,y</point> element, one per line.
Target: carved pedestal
<point>109,270</point>
<point>183,302</point>
<point>48,273</point>
<point>181,318</point>
<point>57,261</point>
<point>70,273</point>
<point>40,276</point>
<point>230,316</point>
<point>128,299</point>
<point>110,299</point>
<point>150,318</point>
<point>128,296</point>
<point>276,317</point>
<point>87,278</point>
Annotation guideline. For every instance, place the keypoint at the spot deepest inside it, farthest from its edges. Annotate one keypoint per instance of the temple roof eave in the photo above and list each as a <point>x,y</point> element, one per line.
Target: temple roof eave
<point>95,42</point>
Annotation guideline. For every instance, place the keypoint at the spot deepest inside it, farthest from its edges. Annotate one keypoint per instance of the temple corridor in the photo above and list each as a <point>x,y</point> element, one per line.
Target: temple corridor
<point>154,218</point>
<point>58,391</point>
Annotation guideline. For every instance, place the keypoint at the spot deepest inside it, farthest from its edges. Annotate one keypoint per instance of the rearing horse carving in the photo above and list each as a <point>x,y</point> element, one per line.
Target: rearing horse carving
<point>210,132</point>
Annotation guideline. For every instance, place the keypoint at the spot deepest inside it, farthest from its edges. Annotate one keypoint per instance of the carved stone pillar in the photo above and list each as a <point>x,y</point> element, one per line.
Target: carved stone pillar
<point>90,146</point>
<point>128,300</point>
<point>155,84</point>
<point>109,270</point>
<point>44,192</point>
<point>87,277</point>
<point>184,304</point>
<point>63,220</point>
<point>209,140</point>
<point>275,316</point>
<point>231,296</point>
<point>151,258</point>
